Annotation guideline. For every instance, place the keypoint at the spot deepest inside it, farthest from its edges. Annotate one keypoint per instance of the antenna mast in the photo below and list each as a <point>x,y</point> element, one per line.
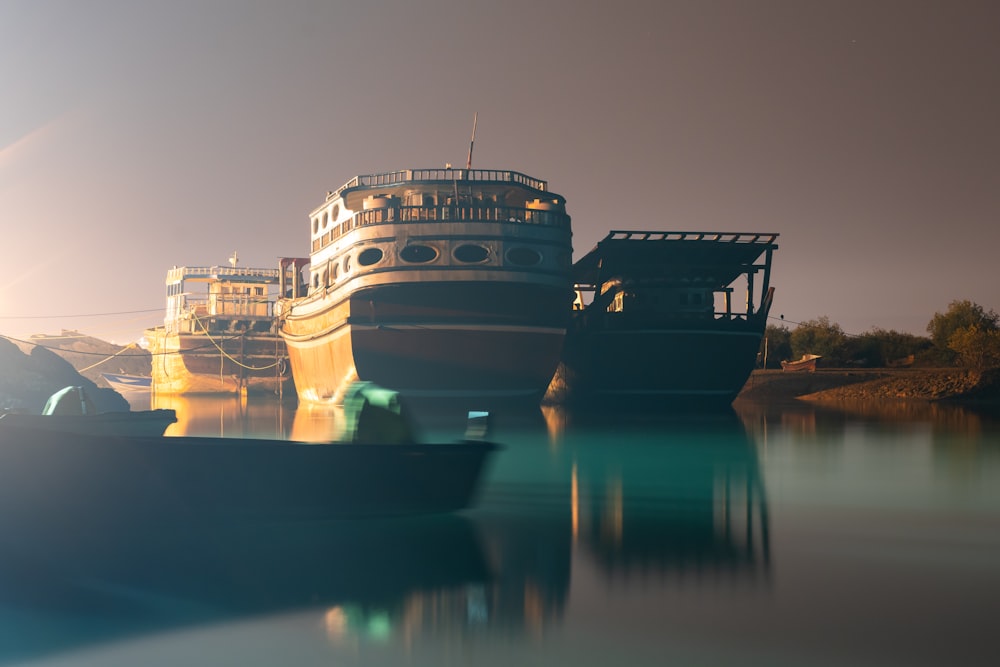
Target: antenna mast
<point>475,120</point>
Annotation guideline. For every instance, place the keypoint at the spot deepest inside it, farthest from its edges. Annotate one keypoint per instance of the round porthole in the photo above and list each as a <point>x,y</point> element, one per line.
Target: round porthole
<point>471,254</point>
<point>336,212</point>
<point>347,264</point>
<point>315,225</point>
<point>326,220</point>
<point>370,256</point>
<point>418,254</point>
<point>523,256</point>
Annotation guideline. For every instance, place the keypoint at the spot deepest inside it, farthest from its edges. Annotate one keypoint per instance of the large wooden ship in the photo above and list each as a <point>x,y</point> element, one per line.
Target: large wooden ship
<point>434,283</point>
<point>218,334</point>
<point>662,316</point>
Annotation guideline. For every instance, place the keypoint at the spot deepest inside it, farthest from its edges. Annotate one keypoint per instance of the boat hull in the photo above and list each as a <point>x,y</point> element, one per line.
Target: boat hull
<point>69,479</point>
<point>132,423</point>
<point>669,366</point>
<point>202,364</point>
<point>489,339</point>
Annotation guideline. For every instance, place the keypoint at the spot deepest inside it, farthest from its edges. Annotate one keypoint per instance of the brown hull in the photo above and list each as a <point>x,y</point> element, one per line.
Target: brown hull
<point>501,340</point>
<point>196,363</point>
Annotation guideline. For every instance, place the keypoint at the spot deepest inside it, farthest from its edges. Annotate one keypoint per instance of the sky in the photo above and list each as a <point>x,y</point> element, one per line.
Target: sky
<point>136,136</point>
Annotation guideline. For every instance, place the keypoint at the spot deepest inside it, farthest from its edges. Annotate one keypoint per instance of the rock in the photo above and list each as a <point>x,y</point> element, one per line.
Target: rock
<point>27,381</point>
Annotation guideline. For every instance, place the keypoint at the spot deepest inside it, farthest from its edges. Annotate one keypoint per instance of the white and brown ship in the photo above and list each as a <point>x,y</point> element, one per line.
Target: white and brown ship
<point>434,283</point>
<point>219,333</point>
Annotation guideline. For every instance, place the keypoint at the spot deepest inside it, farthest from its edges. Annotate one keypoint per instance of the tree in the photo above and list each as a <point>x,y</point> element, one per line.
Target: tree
<point>778,341</point>
<point>821,337</point>
<point>960,315</point>
<point>976,347</point>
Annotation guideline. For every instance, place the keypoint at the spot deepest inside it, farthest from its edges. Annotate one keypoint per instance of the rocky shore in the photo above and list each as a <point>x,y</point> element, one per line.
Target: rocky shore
<point>28,379</point>
<point>913,384</point>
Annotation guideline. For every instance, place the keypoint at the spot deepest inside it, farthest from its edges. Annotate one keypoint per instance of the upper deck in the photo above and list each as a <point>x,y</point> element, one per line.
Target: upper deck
<point>431,177</point>
<point>680,257</point>
<point>231,274</point>
<point>436,195</point>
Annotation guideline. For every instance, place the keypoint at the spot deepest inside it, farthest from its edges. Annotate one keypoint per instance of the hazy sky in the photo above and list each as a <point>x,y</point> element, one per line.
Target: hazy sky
<point>135,136</point>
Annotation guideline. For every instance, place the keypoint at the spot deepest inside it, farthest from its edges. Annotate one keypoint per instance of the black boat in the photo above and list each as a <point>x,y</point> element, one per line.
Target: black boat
<point>60,479</point>
<point>669,318</point>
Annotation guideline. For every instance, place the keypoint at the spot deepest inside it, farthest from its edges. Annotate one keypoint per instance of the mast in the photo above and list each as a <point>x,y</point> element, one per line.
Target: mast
<point>475,120</point>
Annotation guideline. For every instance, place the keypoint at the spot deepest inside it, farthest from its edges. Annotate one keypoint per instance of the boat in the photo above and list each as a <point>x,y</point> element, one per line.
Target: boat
<point>807,364</point>
<point>657,318</point>
<point>376,469</point>
<point>219,333</point>
<point>124,384</point>
<point>70,411</point>
<point>437,283</point>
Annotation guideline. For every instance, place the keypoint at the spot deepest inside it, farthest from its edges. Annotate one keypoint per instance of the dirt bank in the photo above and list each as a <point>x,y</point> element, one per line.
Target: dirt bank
<point>923,384</point>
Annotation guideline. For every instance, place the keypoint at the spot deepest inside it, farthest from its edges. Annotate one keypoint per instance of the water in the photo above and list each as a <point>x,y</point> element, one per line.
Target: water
<point>792,535</point>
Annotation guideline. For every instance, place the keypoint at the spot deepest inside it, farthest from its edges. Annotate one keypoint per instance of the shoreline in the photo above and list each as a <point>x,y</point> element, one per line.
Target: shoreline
<point>953,385</point>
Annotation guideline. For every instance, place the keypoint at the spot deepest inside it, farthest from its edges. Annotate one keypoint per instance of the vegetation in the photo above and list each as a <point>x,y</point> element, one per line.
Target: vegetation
<point>966,335</point>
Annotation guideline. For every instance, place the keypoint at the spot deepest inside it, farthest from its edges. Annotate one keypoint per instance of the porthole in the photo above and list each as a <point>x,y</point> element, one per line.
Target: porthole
<point>347,264</point>
<point>326,220</point>
<point>336,212</point>
<point>315,225</point>
<point>418,254</point>
<point>370,256</point>
<point>471,254</point>
<point>523,256</point>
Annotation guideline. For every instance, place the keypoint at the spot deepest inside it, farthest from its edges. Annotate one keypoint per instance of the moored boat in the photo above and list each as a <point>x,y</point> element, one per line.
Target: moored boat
<point>376,469</point>
<point>656,318</point>
<point>805,364</point>
<point>124,384</point>
<point>433,282</point>
<point>218,334</point>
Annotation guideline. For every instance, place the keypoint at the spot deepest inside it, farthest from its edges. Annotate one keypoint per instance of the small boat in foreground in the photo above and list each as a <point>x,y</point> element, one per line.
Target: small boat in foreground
<point>61,479</point>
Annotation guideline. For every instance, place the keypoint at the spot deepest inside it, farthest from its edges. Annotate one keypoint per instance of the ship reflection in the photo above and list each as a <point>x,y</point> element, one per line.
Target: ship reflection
<point>674,494</point>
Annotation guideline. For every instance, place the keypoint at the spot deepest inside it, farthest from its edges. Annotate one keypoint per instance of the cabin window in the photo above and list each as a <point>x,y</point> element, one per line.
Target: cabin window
<point>471,254</point>
<point>326,220</point>
<point>347,264</point>
<point>315,225</point>
<point>418,254</point>
<point>336,212</point>
<point>370,256</point>
<point>524,256</point>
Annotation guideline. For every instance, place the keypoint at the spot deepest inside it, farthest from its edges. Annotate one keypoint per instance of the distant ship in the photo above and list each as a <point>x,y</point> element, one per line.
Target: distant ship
<point>672,317</point>
<point>218,334</point>
<point>434,283</point>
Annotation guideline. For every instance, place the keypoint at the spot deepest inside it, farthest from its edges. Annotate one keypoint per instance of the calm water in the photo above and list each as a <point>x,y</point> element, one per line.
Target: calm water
<point>780,536</point>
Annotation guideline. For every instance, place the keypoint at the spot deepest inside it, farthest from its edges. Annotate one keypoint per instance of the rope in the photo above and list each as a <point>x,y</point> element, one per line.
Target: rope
<point>129,346</point>
<point>227,355</point>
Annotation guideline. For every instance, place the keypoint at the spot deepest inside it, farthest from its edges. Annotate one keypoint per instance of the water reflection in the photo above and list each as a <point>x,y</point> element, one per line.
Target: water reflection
<point>126,586</point>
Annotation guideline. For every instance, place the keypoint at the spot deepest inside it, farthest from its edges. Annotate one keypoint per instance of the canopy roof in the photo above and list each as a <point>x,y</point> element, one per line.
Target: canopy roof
<point>681,257</point>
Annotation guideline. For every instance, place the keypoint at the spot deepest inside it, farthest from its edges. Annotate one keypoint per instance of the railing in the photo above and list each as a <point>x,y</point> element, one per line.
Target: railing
<point>446,213</point>
<point>431,175</point>
<point>182,273</point>
<point>719,237</point>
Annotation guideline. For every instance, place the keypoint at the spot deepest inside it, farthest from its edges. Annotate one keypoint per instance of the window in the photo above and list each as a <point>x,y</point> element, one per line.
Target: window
<point>524,256</point>
<point>471,254</point>
<point>418,254</point>
<point>370,256</point>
